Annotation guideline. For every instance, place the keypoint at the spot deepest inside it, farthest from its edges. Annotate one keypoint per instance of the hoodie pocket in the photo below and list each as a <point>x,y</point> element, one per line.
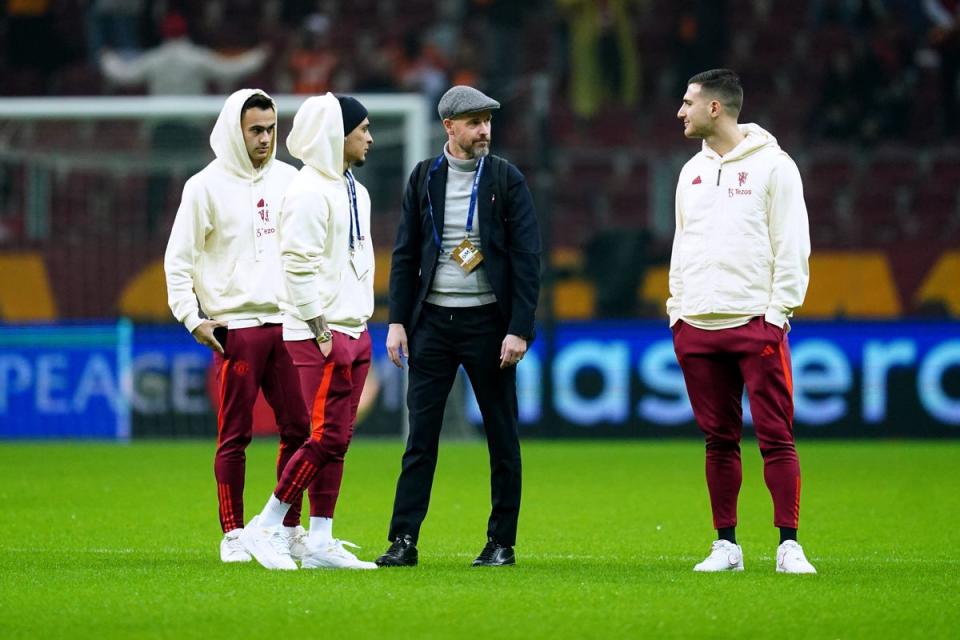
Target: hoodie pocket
<point>252,283</point>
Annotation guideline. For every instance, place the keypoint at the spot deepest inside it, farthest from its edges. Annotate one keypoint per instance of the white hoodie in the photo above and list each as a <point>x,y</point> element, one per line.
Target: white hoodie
<point>742,242</point>
<point>223,256</point>
<point>322,278</point>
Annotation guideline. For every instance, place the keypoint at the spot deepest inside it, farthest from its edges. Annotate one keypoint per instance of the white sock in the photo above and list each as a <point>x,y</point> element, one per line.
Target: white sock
<point>321,529</point>
<point>273,513</point>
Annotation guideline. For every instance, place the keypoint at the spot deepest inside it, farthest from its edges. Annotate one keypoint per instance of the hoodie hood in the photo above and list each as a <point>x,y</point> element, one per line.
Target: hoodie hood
<point>757,138</point>
<point>316,137</point>
<point>226,139</point>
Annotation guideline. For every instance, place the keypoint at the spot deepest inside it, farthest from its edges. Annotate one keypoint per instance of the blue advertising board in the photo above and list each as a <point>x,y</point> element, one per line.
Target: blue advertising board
<point>65,381</point>
<point>850,379</point>
<point>119,381</point>
<point>888,379</point>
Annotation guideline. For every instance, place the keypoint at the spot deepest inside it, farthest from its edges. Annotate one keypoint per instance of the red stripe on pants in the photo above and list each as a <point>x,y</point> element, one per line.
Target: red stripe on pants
<point>320,402</point>
<point>303,473</point>
<point>785,364</point>
<point>223,394</point>
<point>226,508</point>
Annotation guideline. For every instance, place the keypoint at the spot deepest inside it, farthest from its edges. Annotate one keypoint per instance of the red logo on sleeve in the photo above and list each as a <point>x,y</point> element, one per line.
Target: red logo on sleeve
<point>696,180</point>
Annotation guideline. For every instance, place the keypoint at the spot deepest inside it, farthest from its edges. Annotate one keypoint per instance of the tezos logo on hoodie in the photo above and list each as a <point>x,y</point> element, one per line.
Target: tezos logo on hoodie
<point>742,179</point>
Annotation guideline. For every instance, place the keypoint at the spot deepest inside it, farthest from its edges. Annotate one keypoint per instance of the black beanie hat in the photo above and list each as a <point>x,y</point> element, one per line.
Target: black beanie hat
<point>353,113</point>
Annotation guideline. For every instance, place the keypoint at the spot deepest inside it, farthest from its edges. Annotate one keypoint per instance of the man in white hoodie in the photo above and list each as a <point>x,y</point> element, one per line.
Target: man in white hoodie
<point>328,262</point>
<point>225,284</point>
<point>738,270</point>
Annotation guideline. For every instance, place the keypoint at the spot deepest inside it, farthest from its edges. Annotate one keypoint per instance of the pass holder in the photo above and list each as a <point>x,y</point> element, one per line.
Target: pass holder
<point>467,255</point>
<point>358,256</point>
<point>360,263</point>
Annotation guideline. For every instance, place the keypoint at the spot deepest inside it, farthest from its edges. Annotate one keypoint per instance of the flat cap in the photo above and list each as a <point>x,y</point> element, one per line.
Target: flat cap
<point>462,99</point>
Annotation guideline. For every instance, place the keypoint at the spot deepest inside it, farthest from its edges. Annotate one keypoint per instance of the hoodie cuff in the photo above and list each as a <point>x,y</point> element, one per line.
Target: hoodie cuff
<point>778,318</point>
<point>310,310</point>
<point>192,321</point>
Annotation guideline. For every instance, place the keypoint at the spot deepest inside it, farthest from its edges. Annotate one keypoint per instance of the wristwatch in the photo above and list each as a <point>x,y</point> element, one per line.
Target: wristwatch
<point>325,336</point>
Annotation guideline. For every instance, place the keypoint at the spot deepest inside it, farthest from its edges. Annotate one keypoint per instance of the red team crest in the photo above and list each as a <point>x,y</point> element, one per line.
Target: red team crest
<point>742,176</point>
<point>264,211</point>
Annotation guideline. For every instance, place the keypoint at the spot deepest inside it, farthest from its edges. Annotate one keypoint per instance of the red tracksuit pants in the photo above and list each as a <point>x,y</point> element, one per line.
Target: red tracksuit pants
<point>716,365</point>
<point>254,358</point>
<point>331,387</point>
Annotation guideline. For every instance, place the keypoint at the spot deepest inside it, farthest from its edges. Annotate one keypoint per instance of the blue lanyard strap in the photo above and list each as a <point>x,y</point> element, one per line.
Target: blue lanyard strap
<point>473,196</point>
<point>473,199</point>
<point>354,211</point>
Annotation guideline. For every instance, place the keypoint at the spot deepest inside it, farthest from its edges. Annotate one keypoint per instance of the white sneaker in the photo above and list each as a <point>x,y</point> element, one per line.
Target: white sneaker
<point>297,539</point>
<point>269,545</point>
<point>724,556</point>
<point>790,559</point>
<point>331,554</point>
<point>231,549</point>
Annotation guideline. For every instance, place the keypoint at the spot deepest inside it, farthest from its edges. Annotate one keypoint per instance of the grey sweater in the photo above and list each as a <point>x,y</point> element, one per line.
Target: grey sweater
<point>452,287</point>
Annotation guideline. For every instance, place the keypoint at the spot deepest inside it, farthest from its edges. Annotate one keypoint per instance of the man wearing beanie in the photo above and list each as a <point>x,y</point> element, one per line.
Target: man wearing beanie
<point>328,265</point>
<point>464,284</point>
<point>224,283</point>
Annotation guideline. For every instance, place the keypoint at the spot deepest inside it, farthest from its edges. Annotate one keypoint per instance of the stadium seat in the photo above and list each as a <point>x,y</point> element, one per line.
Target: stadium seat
<point>655,288</point>
<point>574,299</point>
<point>877,215</point>
<point>854,284</point>
<point>890,169</point>
<point>944,171</point>
<point>825,226</point>
<point>25,293</point>
<point>940,285</point>
<point>629,197</point>
<point>144,296</point>
<point>831,168</point>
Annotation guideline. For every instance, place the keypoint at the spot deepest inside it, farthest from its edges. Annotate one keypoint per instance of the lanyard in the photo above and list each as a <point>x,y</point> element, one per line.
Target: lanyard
<point>470,210</point>
<point>354,213</point>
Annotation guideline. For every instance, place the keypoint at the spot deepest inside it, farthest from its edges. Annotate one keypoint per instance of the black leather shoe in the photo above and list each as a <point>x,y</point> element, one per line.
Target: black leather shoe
<point>402,553</point>
<point>495,555</point>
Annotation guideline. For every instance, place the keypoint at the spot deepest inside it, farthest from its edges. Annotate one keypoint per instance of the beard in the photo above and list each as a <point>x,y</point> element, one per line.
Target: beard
<point>481,150</point>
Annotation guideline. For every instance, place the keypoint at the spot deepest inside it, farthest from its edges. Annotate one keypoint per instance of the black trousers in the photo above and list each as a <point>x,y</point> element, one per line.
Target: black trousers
<point>444,339</point>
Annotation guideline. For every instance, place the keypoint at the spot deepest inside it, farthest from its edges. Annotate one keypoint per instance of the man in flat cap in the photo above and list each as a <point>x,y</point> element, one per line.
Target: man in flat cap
<point>464,284</point>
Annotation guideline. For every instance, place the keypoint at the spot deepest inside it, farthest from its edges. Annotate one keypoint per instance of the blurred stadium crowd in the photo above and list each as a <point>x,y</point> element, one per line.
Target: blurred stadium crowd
<point>862,93</point>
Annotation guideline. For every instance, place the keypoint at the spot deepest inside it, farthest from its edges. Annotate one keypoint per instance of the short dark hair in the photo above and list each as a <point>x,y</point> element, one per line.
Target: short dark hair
<point>724,84</point>
<point>257,101</point>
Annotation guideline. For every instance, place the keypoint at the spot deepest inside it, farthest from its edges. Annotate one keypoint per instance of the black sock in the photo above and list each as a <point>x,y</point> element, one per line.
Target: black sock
<point>727,533</point>
<point>786,533</point>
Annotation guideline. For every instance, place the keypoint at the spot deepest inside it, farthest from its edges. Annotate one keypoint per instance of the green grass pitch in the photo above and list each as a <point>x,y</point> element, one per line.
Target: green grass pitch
<point>121,541</point>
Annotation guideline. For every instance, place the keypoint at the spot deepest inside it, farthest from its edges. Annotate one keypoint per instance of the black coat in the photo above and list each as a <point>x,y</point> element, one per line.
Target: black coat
<point>509,240</point>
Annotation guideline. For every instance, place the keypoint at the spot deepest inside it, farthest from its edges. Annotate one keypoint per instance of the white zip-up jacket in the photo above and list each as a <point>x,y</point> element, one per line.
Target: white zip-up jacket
<point>322,276</point>
<point>742,242</point>
<point>223,256</point>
